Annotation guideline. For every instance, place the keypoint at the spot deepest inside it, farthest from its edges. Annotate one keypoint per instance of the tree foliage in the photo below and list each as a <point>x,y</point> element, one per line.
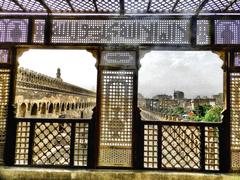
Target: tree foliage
<point>201,110</point>
<point>213,114</point>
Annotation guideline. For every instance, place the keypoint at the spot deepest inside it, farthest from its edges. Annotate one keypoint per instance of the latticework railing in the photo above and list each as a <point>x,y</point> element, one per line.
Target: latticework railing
<point>167,145</point>
<point>52,142</point>
<point>181,145</point>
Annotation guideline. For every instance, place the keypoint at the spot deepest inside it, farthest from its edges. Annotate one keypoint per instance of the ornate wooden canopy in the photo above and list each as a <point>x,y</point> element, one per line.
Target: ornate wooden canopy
<point>117,7</point>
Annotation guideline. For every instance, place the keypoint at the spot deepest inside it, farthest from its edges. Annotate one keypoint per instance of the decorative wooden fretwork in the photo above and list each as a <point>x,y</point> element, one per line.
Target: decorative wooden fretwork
<point>39,29</point>
<point>237,59</point>
<point>52,144</point>
<point>203,32</point>
<point>211,148</point>
<point>4,93</point>
<point>81,144</point>
<point>3,56</point>
<point>13,30</point>
<point>168,31</point>
<point>116,109</point>
<point>175,145</point>
<point>116,118</point>
<point>227,31</point>
<point>150,146</point>
<point>181,147</point>
<point>235,122</point>
<point>22,143</point>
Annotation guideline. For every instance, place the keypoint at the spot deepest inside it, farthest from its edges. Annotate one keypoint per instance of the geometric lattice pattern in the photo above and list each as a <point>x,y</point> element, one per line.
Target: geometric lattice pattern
<point>181,147</point>
<point>52,144</point>
<point>39,27</point>
<point>3,56</point>
<point>112,6</point>
<point>58,5</point>
<point>203,32</point>
<point>108,6</point>
<point>116,118</point>
<point>234,7</point>
<point>167,31</point>
<point>115,156</point>
<point>31,5</point>
<point>187,5</point>
<point>150,146</point>
<point>237,59</point>
<point>235,156</point>
<point>134,6</point>
<point>4,93</point>
<point>227,31</point>
<point>83,5</point>
<point>212,148</point>
<point>235,118</point>
<point>13,30</point>
<point>9,6</point>
<point>81,144</point>
<point>22,143</point>
<point>216,5</point>
<point>161,6</point>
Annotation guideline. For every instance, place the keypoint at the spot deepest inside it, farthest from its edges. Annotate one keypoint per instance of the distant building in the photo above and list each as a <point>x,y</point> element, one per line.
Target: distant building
<point>141,101</point>
<point>186,104</point>
<point>178,95</point>
<point>152,104</point>
<point>201,101</point>
<point>168,104</point>
<point>219,99</point>
<point>162,96</point>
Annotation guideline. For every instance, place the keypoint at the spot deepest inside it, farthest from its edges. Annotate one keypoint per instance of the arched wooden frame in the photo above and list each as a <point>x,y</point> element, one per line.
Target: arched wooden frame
<point>229,68</point>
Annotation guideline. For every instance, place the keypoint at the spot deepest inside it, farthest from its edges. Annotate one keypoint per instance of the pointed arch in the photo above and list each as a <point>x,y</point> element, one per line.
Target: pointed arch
<point>43,108</point>
<point>34,110</point>
<point>50,109</point>
<point>22,110</point>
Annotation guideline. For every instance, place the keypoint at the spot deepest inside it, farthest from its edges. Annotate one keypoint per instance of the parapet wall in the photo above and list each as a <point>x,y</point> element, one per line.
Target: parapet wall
<point>31,79</point>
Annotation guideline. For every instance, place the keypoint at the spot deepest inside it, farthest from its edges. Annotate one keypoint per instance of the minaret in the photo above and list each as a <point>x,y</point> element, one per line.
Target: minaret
<point>59,73</point>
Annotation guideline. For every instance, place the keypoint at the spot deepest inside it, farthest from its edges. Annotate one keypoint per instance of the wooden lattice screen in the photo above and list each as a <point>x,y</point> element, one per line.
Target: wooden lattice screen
<point>116,109</point>
<point>235,116</point>
<point>4,95</point>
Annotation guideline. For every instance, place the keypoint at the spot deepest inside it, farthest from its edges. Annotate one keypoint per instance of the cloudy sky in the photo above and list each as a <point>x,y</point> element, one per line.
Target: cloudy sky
<point>194,73</point>
<point>162,72</point>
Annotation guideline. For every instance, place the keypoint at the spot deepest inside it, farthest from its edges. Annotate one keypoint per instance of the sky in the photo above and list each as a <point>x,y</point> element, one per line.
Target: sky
<point>193,72</point>
<point>162,72</point>
<point>77,66</point>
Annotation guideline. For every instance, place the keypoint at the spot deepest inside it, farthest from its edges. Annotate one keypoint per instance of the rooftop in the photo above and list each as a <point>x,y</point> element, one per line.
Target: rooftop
<point>121,7</point>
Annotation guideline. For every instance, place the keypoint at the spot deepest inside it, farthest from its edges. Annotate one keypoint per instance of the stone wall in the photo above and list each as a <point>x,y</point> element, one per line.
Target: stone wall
<point>41,96</point>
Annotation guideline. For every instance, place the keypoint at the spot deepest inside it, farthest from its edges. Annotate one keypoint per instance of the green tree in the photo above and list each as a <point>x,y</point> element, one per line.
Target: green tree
<point>213,115</point>
<point>178,111</point>
<point>201,110</point>
<point>194,118</point>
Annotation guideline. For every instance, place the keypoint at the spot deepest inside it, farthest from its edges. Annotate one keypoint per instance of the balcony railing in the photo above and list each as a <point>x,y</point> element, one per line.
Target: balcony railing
<point>181,145</point>
<point>187,146</point>
<point>52,142</point>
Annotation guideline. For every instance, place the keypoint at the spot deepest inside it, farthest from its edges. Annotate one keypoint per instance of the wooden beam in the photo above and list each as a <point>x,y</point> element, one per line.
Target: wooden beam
<point>201,6</point>
<point>70,5</point>
<point>19,5</point>
<point>175,5</point>
<point>122,9</point>
<point>226,9</point>
<point>149,5</point>
<point>95,5</point>
<point>44,5</point>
